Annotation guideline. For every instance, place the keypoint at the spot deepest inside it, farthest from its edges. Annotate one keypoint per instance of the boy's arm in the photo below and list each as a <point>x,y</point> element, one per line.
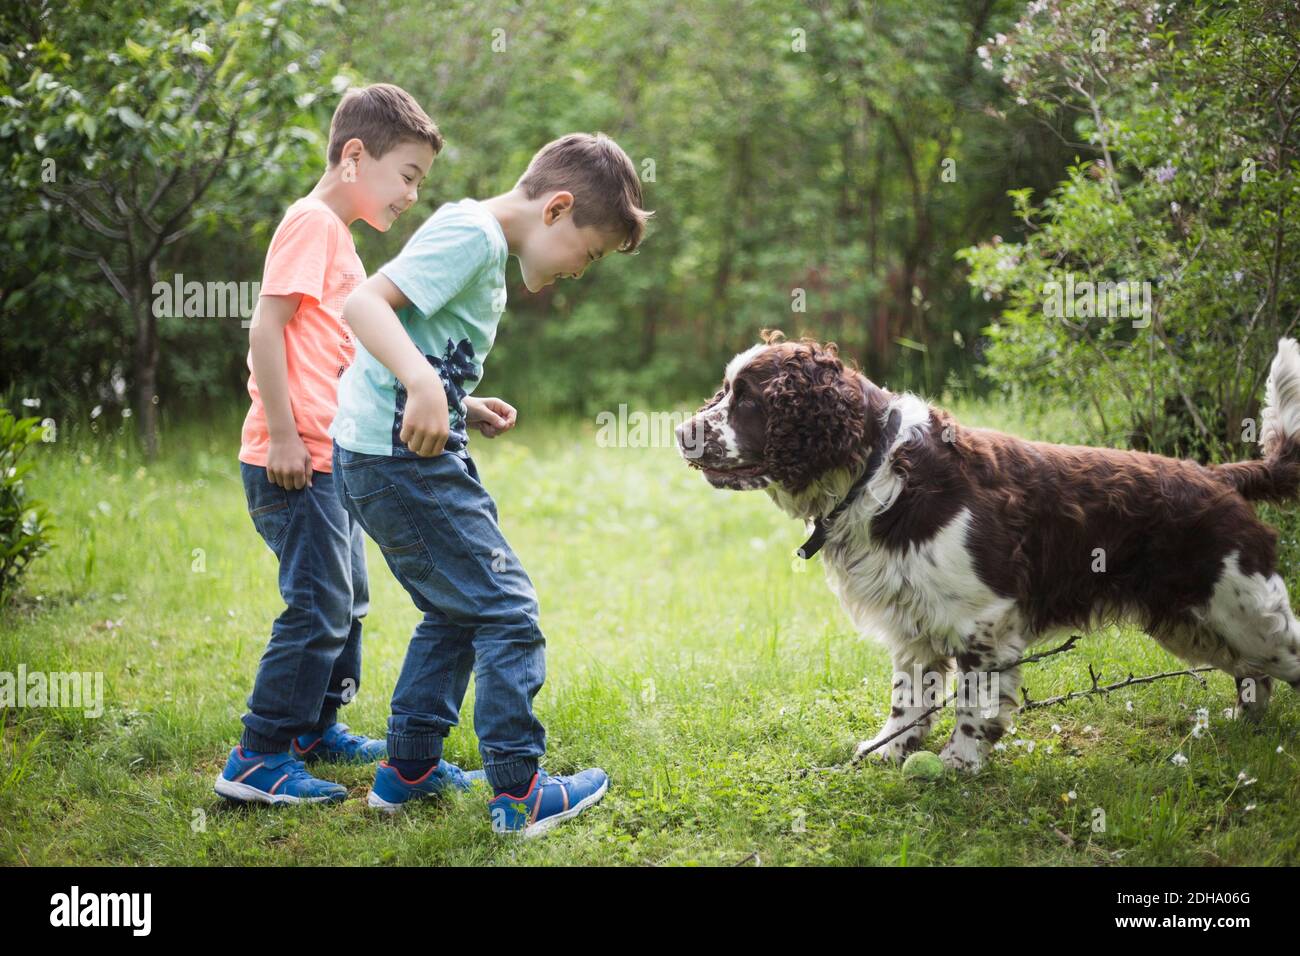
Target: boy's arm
<point>370,311</point>
<point>288,462</point>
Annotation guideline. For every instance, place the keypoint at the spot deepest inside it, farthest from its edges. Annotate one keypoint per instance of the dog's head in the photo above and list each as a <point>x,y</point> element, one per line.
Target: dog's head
<point>787,412</point>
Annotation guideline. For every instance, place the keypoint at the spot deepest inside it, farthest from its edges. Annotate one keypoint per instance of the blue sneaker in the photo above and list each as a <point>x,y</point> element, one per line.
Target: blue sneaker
<point>336,745</point>
<point>391,789</point>
<point>273,778</point>
<point>547,801</point>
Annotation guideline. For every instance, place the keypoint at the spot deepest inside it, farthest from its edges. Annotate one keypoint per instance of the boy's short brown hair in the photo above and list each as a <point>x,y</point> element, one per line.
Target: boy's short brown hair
<point>381,116</point>
<point>606,189</point>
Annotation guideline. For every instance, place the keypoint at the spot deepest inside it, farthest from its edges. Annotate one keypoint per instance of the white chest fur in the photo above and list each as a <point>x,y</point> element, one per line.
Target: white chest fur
<point>925,600</point>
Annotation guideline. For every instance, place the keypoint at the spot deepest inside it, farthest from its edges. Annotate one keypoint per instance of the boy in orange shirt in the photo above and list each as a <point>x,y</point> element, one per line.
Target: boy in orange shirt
<point>380,149</point>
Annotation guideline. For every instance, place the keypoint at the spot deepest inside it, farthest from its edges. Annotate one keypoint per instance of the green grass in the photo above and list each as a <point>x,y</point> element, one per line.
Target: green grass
<point>688,654</point>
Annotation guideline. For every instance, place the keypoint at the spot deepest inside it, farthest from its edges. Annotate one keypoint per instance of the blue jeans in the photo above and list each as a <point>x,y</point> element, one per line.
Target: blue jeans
<point>437,528</point>
<point>312,665</point>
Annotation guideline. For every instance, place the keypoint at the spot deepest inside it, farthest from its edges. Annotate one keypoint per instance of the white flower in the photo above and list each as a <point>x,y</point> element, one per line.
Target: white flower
<point>1249,807</point>
<point>999,746</point>
<point>1178,759</point>
<point>1128,705</point>
<point>1279,748</point>
<point>1072,795</point>
<point>1056,728</point>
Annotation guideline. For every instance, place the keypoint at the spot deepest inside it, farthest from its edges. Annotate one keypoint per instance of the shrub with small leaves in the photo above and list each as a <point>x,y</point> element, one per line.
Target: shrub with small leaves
<point>24,523</point>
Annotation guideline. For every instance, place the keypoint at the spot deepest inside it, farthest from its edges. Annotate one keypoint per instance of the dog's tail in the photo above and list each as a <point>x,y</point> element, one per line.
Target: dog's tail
<point>1276,476</point>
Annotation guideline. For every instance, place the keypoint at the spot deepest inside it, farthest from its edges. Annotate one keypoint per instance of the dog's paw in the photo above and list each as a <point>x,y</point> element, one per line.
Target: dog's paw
<point>962,754</point>
<point>894,752</point>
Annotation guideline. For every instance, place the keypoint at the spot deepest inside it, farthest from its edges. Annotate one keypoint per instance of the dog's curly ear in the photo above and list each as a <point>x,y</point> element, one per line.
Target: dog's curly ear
<point>816,417</point>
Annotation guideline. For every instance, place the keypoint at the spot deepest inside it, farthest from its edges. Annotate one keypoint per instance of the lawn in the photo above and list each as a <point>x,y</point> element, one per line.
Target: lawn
<point>688,654</point>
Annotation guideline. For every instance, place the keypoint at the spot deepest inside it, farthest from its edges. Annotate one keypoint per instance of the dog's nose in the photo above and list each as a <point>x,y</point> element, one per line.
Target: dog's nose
<point>689,441</point>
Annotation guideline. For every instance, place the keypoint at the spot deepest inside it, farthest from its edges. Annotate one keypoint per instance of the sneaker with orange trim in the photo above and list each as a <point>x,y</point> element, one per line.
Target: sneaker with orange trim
<point>391,789</point>
<point>273,778</point>
<point>547,802</point>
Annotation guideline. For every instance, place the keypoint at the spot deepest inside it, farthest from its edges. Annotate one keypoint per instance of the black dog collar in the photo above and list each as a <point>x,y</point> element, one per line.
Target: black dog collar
<point>822,526</point>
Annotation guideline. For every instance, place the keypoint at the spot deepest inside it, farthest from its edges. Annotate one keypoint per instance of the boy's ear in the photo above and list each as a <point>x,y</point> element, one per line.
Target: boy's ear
<point>560,204</point>
<point>352,150</point>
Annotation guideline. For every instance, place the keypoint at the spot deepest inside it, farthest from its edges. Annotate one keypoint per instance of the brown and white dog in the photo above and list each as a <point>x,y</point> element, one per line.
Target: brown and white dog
<point>966,545</point>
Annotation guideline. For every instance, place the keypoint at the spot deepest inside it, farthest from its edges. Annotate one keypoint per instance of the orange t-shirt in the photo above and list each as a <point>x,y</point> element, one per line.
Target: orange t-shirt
<point>311,254</point>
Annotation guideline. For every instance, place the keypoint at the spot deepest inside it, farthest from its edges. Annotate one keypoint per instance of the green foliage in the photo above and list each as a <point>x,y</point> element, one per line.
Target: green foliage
<point>784,148</point>
<point>127,132</point>
<point>1189,120</point>
<point>797,157</point>
<point>25,527</point>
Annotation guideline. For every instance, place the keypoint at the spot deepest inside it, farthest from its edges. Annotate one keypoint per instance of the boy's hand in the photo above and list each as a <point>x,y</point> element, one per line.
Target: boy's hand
<point>288,463</point>
<point>491,416</point>
<point>425,422</point>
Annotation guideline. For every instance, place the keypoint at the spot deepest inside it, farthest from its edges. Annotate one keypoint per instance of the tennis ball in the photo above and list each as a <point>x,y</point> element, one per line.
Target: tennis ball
<point>923,764</point>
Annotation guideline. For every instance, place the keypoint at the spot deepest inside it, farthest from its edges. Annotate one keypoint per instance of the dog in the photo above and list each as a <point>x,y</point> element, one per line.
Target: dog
<point>960,547</point>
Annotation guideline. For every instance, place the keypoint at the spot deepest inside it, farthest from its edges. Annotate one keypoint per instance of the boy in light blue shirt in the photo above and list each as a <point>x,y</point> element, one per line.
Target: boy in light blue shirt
<point>452,273</point>
<point>425,323</point>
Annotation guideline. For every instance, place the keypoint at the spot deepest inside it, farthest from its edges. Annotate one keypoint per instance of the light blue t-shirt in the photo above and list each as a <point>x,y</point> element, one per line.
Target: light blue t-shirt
<point>453,270</point>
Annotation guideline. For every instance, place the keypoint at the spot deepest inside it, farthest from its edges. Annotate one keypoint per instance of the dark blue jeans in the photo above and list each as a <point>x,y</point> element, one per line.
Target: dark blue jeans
<point>437,528</point>
<point>312,665</point>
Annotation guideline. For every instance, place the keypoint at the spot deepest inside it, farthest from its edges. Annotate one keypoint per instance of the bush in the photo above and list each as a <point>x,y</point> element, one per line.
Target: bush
<point>24,523</point>
<point>1187,190</point>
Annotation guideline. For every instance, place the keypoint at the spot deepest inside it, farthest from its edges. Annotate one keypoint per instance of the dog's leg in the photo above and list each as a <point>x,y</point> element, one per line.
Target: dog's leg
<point>915,689</point>
<point>1251,614</point>
<point>986,701</point>
<point>1253,692</point>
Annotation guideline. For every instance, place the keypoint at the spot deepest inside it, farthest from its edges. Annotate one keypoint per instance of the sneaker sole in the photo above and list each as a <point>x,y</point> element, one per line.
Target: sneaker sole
<point>542,826</point>
<point>244,793</point>
<point>379,803</point>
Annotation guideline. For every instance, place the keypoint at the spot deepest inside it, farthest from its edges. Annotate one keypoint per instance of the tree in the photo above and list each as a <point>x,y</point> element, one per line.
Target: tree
<point>138,130</point>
